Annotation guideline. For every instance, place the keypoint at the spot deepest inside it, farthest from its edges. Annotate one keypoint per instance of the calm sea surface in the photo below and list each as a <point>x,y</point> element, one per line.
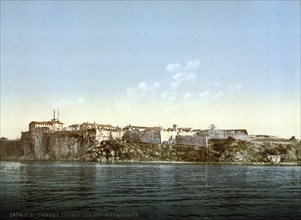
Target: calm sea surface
<point>148,191</point>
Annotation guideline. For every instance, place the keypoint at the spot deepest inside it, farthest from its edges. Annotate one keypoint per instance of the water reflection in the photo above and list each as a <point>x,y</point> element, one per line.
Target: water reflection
<point>43,186</point>
<point>155,191</point>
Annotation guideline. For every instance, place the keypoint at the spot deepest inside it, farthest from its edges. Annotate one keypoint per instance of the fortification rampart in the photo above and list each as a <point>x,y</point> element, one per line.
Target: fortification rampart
<point>241,134</point>
<point>98,133</point>
<point>146,136</point>
<point>195,140</point>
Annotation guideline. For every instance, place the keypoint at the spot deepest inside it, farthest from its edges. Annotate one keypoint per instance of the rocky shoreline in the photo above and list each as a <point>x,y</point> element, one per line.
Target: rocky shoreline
<point>75,147</point>
<point>298,163</point>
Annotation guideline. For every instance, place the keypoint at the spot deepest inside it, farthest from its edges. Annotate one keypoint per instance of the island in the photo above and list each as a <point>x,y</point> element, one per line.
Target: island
<point>93,142</point>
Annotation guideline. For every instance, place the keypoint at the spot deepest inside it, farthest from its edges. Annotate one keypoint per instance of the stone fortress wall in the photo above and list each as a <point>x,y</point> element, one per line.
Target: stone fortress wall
<point>240,134</point>
<point>140,134</point>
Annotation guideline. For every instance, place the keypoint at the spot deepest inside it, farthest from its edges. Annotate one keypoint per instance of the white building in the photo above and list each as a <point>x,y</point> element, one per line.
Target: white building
<point>53,125</point>
<point>274,158</point>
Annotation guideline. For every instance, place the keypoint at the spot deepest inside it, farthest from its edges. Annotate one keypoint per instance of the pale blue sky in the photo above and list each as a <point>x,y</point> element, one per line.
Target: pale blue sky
<point>235,64</point>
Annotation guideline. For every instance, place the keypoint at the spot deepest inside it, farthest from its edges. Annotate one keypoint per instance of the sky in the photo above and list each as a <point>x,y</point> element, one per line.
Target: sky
<point>235,64</point>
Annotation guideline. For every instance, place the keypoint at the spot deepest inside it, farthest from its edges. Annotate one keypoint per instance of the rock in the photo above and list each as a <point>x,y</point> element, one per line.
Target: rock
<point>67,145</point>
<point>94,160</point>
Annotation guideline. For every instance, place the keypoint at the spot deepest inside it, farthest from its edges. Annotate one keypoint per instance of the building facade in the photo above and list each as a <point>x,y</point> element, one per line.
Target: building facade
<point>52,126</point>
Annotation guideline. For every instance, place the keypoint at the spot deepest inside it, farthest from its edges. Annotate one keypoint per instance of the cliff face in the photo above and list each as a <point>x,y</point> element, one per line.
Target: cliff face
<point>40,145</point>
<point>11,149</point>
<point>83,146</point>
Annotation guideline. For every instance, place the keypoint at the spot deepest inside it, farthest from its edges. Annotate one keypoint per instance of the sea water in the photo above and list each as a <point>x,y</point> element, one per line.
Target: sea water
<point>66,190</point>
